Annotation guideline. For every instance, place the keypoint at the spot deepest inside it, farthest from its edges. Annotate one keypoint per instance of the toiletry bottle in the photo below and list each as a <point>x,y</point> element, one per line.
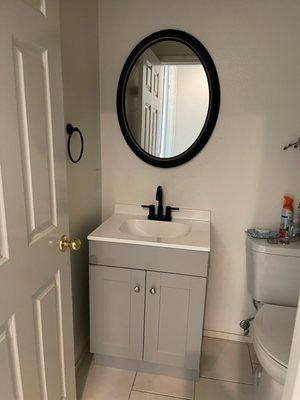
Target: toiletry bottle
<point>296,223</point>
<point>286,219</point>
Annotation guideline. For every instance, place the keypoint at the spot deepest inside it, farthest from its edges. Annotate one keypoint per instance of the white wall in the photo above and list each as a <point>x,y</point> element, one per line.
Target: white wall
<point>242,173</point>
<point>192,99</point>
<point>79,36</point>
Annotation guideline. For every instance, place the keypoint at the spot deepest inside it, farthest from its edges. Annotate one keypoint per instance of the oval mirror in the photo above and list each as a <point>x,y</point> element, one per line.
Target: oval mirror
<point>168,98</point>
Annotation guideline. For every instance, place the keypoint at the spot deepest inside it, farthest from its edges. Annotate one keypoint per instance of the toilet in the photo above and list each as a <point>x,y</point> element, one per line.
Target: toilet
<point>273,277</point>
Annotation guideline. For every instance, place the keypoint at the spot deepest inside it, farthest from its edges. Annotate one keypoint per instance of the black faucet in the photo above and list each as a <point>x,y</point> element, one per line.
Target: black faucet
<point>159,198</point>
<point>160,216</point>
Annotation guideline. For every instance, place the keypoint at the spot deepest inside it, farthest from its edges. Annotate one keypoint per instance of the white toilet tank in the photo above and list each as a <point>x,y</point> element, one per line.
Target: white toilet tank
<point>273,271</point>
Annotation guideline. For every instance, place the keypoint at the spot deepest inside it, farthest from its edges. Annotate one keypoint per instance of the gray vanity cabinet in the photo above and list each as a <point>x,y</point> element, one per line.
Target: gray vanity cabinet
<point>173,319</point>
<point>147,307</point>
<point>117,299</point>
<point>152,316</point>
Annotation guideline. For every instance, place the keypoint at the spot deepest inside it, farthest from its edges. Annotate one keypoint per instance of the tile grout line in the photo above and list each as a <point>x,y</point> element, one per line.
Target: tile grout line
<point>253,364</point>
<point>249,353</point>
<point>132,385</point>
<point>163,395</point>
<point>226,380</point>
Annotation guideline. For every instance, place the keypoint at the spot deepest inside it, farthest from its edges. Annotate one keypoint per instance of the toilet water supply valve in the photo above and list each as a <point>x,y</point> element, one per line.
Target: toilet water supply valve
<point>245,325</point>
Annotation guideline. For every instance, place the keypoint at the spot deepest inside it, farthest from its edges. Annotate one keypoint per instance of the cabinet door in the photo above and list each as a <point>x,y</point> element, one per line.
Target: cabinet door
<point>117,311</point>
<point>174,319</point>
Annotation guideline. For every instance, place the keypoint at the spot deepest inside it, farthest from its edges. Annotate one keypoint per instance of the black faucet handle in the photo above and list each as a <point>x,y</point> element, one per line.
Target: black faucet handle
<point>169,210</point>
<point>151,209</point>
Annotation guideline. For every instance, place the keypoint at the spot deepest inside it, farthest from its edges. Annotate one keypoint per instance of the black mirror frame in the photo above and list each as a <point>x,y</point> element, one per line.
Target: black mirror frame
<point>214,98</point>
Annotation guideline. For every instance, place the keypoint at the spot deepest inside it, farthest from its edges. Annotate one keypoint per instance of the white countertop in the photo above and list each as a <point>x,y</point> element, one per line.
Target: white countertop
<point>198,237</point>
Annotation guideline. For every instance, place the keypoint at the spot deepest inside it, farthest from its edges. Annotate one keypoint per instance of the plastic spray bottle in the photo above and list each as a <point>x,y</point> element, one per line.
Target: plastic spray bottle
<point>296,223</point>
<point>286,219</point>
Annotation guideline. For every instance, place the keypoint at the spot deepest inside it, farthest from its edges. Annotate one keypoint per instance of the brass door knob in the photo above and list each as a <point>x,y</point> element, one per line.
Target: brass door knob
<point>67,243</point>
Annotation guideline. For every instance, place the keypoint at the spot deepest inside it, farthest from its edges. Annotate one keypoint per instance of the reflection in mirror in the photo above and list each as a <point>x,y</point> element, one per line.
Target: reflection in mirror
<point>167,99</point>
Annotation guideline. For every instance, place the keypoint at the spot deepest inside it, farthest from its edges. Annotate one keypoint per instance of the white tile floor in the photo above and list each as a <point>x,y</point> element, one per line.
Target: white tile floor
<point>226,374</point>
<point>226,360</point>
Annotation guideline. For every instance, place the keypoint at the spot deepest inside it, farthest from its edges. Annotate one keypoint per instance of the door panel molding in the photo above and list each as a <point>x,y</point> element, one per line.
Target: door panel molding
<point>36,138</point>
<point>41,307</point>
<point>4,251</point>
<point>8,340</point>
<point>38,5</point>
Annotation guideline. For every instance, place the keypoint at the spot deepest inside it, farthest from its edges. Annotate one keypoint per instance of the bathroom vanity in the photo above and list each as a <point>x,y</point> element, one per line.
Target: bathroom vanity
<point>147,290</point>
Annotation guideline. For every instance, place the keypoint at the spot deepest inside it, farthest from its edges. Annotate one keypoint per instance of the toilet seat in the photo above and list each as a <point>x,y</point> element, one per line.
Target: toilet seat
<point>273,332</point>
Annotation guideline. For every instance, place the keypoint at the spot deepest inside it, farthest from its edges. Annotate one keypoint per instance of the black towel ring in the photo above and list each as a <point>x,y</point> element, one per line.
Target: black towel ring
<point>70,130</point>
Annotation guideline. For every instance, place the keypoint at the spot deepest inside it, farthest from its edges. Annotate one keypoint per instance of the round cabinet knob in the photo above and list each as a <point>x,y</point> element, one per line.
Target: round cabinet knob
<point>152,290</point>
<point>137,289</point>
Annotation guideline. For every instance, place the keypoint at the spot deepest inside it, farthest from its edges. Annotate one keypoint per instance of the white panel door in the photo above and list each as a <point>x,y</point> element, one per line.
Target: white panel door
<point>36,333</point>
<point>174,318</point>
<point>152,88</point>
<point>117,297</point>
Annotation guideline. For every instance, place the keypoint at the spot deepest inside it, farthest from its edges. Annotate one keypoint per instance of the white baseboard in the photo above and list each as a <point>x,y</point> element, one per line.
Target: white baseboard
<point>145,366</point>
<point>227,336</point>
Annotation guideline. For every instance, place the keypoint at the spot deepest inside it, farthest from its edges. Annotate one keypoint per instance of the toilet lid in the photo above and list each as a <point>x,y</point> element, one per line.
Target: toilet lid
<point>273,329</point>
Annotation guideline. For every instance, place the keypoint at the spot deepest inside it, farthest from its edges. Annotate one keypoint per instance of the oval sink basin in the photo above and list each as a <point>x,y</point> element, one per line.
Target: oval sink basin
<point>159,229</point>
